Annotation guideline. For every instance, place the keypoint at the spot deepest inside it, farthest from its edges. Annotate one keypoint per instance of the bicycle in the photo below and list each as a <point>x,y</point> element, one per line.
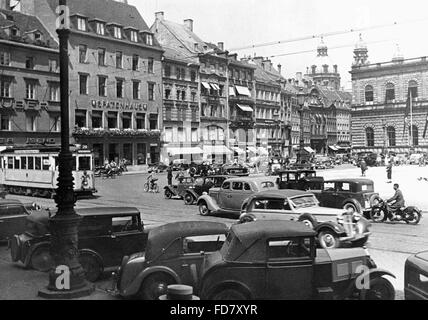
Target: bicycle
<point>154,188</point>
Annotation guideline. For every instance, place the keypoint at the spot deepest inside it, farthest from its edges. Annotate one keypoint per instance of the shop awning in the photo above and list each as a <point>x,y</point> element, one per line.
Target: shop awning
<point>215,86</point>
<point>232,91</point>
<point>220,149</point>
<point>245,108</point>
<point>243,91</point>
<point>309,150</point>
<point>238,150</point>
<point>252,149</point>
<point>186,150</point>
<point>334,148</point>
<point>206,85</point>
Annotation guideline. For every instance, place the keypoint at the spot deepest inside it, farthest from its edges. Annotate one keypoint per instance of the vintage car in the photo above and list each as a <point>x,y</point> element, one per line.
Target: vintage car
<point>334,227</point>
<point>323,162</point>
<point>106,235</point>
<point>174,254</point>
<point>229,197</point>
<point>356,194</point>
<point>278,260</point>
<point>299,180</point>
<point>416,277</point>
<point>158,167</point>
<point>234,170</point>
<point>13,217</point>
<point>179,190</point>
<point>201,185</point>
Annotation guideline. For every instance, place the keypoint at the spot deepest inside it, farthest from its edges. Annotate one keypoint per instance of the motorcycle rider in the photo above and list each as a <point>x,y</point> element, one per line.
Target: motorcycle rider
<point>397,199</point>
<point>151,179</point>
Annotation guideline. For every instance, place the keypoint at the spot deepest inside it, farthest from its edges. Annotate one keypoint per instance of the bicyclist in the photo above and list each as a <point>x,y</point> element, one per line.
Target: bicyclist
<point>151,179</point>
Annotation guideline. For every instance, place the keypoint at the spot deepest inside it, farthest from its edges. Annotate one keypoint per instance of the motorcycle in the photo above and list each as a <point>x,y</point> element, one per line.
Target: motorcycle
<point>381,212</point>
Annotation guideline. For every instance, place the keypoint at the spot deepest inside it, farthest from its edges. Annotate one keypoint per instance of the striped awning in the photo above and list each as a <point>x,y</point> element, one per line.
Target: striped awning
<point>217,149</point>
<point>186,150</point>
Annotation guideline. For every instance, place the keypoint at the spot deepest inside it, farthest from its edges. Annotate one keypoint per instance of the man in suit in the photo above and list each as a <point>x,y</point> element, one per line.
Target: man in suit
<point>397,199</point>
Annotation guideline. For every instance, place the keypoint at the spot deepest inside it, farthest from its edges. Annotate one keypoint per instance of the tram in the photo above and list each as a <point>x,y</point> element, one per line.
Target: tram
<point>33,170</point>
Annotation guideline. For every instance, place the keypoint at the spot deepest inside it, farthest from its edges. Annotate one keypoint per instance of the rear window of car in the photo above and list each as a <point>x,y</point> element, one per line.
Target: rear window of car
<point>267,185</point>
<point>274,204</point>
<point>367,188</point>
<point>206,243</point>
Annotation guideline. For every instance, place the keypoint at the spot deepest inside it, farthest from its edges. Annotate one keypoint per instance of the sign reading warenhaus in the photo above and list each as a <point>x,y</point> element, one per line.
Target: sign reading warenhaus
<point>115,79</point>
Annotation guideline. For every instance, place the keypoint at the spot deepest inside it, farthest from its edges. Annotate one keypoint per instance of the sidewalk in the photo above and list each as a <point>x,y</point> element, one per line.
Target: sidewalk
<point>16,283</point>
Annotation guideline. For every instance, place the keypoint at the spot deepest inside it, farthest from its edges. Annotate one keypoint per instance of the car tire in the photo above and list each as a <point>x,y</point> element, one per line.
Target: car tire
<point>92,266</point>
<point>380,289</point>
<point>41,260</point>
<point>378,215</point>
<point>15,248</point>
<point>328,239</point>
<point>203,209</point>
<point>229,294</point>
<point>309,220</point>
<point>155,286</point>
<point>374,199</point>
<point>355,207</point>
<point>168,194</point>
<point>189,199</point>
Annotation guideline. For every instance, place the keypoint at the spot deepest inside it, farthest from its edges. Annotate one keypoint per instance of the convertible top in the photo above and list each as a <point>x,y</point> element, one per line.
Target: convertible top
<point>161,237</point>
<point>280,194</point>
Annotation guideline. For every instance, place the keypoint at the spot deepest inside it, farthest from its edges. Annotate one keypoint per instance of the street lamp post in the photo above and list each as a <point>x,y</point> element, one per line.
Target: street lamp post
<point>67,277</point>
<point>301,100</point>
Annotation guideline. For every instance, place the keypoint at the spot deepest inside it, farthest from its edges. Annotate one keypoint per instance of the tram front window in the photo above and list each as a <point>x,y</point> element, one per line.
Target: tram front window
<point>84,163</point>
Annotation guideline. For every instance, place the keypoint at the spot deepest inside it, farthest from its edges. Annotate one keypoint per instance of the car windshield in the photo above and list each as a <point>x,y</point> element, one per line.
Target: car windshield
<point>304,201</point>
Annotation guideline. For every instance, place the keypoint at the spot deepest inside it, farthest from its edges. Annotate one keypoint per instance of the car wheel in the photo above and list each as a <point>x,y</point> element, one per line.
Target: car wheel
<point>92,266</point>
<point>15,248</point>
<point>41,259</point>
<point>155,286</point>
<point>353,207</point>
<point>229,294</point>
<point>168,194</point>
<point>380,289</point>
<point>188,199</point>
<point>328,239</point>
<point>309,220</point>
<point>203,209</point>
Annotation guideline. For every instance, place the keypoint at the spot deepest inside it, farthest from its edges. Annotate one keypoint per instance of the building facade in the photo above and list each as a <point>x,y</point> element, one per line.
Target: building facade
<point>29,81</point>
<point>115,79</point>
<point>385,95</point>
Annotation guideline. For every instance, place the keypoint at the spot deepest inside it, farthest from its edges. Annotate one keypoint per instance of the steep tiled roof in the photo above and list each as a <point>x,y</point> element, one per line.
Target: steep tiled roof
<point>25,23</point>
<point>330,96</point>
<point>106,10</point>
<point>178,55</point>
<point>266,76</point>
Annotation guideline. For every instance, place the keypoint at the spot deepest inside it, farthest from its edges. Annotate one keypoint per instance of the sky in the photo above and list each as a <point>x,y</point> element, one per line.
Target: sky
<point>243,23</point>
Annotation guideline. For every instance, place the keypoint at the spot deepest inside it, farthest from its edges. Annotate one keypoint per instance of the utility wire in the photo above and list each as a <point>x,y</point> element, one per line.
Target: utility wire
<point>328,34</point>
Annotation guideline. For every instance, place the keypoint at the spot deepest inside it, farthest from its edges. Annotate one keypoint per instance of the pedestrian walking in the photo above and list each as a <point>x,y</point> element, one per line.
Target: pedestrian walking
<point>363,167</point>
<point>389,171</point>
<point>169,174</point>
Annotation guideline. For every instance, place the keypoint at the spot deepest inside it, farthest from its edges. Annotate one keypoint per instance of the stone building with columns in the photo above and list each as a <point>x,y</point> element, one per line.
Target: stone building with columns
<point>381,95</point>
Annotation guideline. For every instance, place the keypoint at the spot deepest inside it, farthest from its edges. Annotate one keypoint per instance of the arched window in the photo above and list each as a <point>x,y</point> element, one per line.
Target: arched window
<point>413,88</point>
<point>390,92</point>
<point>369,96</point>
<point>391,136</point>
<point>415,135</point>
<point>370,137</point>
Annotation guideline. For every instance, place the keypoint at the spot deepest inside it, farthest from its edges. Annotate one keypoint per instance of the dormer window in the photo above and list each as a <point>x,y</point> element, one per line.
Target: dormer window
<point>101,29</point>
<point>81,24</point>
<point>134,36</point>
<point>117,32</point>
<point>14,32</point>
<point>37,36</point>
<point>149,39</point>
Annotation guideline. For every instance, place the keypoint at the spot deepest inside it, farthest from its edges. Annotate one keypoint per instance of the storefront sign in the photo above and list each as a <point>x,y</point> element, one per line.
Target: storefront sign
<point>117,105</point>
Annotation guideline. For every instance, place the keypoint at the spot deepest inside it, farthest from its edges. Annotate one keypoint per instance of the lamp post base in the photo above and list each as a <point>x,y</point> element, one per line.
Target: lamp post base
<point>87,290</point>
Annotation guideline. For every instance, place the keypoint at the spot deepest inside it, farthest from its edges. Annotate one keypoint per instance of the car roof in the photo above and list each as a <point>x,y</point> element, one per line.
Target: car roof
<point>354,180</point>
<point>279,194</point>
<point>423,255</point>
<point>161,237</point>
<point>249,233</point>
<point>297,171</point>
<point>108,211</point>
<point>252,179</point>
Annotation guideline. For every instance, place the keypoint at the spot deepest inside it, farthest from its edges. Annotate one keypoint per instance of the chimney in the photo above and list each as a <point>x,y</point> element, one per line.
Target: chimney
<point>267,65</point>
<point>160,15</point>
<point>258,61</point>
<point>188,23</point>
<point>299,77</point>
<point>234,56</point>
<point>220,45</point>
<point>279,68</point>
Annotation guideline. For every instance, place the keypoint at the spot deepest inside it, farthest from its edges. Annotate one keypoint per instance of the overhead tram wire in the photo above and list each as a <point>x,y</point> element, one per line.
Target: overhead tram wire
<point>328,34</point>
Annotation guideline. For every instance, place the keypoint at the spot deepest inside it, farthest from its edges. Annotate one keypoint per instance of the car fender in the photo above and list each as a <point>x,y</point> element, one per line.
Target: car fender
<point>169,189</point>
<point>332,226</point>
<point>31,251</point>
<point>135,285</point>
<point>367,275</point>
<point>229,284</point>
<point>94,254</point>
<point>192,192</point>
<point>211,203</point>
